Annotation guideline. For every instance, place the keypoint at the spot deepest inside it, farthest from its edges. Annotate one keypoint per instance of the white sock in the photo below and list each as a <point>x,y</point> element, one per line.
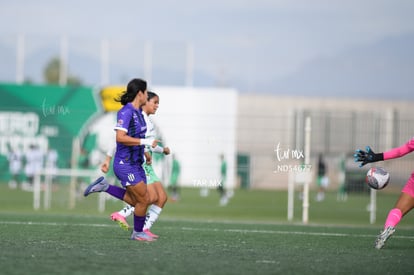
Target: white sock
<point>152,216</point>
<point>126,211</point>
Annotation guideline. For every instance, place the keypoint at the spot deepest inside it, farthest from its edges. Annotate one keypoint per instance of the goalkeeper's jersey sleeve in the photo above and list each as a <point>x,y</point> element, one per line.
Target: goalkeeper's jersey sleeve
<point>404,149</point>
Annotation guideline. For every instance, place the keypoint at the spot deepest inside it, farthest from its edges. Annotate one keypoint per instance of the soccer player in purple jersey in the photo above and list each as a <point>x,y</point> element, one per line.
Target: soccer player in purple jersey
<point>405,202</point>
<point>157,194</point>
<point>129,157</point>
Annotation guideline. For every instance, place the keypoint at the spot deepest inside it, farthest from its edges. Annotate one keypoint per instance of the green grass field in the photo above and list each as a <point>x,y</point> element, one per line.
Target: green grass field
<point>249,236</point>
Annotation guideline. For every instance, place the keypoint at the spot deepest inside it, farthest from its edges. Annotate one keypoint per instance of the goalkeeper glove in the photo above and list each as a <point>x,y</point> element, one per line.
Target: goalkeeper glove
<point>367,156</point>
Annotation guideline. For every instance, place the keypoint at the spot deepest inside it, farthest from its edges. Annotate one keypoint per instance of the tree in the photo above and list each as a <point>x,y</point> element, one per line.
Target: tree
<point>52,72</point>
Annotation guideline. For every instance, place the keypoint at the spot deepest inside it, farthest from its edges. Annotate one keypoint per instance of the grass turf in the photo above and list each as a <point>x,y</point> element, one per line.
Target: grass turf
<point>249,236</point>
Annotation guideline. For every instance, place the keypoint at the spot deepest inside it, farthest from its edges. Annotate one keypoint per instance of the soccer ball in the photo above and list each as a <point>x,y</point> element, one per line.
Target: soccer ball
<point>377,178</point>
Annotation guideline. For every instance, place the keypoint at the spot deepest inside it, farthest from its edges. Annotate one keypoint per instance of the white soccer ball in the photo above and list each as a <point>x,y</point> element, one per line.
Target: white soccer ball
<point>377,178</point>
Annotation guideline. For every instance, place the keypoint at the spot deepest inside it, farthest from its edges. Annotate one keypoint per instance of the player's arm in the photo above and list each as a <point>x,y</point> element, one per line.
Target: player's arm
<point>122,137</point>
<point>148,157</point>
<point>161,150</point>
<point>369,156</point>
<point>107,162</point>
<point>400,151</point>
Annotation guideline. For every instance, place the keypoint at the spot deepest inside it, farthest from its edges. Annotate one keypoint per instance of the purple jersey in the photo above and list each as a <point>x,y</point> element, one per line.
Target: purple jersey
<point>132,122</point>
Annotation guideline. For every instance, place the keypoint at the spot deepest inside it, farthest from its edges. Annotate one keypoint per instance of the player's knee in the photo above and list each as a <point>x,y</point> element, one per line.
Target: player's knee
<point>145,200</point>
<point>153,198</point>
<point>162,198</point>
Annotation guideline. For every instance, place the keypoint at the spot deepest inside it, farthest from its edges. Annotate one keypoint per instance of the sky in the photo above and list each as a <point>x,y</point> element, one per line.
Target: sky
<point>263,46</point>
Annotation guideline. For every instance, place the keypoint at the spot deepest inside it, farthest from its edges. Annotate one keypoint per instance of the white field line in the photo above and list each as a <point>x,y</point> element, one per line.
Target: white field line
<point>235,230</point>
<point>290,232</point>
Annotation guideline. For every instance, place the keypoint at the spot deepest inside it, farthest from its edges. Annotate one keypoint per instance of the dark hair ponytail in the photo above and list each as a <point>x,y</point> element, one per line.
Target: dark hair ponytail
<point>134,86</point>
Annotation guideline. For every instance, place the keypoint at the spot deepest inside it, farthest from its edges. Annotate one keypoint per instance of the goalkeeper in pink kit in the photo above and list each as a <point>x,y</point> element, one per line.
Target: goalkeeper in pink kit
<point>406,200</point>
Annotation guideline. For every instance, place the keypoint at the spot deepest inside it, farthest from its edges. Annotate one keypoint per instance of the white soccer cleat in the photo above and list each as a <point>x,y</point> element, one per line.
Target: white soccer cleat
<point>141,236</point>
<point>383,237</point>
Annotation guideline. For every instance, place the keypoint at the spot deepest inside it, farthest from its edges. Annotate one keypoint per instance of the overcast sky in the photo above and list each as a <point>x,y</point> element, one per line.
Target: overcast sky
<point>253,42</point>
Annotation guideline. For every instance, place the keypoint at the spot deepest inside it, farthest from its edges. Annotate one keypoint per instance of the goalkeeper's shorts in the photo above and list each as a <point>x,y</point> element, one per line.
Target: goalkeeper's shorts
<point>409,186</point>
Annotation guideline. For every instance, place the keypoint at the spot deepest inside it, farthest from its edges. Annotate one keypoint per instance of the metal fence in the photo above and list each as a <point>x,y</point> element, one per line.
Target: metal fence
<point>334,134</point>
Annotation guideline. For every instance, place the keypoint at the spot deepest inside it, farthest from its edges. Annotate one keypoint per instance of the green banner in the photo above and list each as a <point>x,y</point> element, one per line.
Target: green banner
<point>45,117</point>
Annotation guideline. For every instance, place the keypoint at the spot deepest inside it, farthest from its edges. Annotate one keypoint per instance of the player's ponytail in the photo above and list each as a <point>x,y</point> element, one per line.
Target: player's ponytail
<point>134,86</point>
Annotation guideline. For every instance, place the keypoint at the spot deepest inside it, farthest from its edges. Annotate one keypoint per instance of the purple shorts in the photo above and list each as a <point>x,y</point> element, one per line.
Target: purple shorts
<point>129,174</point>
<point>409,186</point>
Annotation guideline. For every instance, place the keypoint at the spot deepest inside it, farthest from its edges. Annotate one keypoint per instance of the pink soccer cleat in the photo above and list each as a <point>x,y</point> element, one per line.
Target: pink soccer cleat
<point>116,217</point>
<point>149,233</point>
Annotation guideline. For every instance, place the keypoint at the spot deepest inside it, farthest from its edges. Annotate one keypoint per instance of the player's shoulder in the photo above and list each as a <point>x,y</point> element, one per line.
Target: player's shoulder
<point>125,111</point>
<point>126,108</point>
